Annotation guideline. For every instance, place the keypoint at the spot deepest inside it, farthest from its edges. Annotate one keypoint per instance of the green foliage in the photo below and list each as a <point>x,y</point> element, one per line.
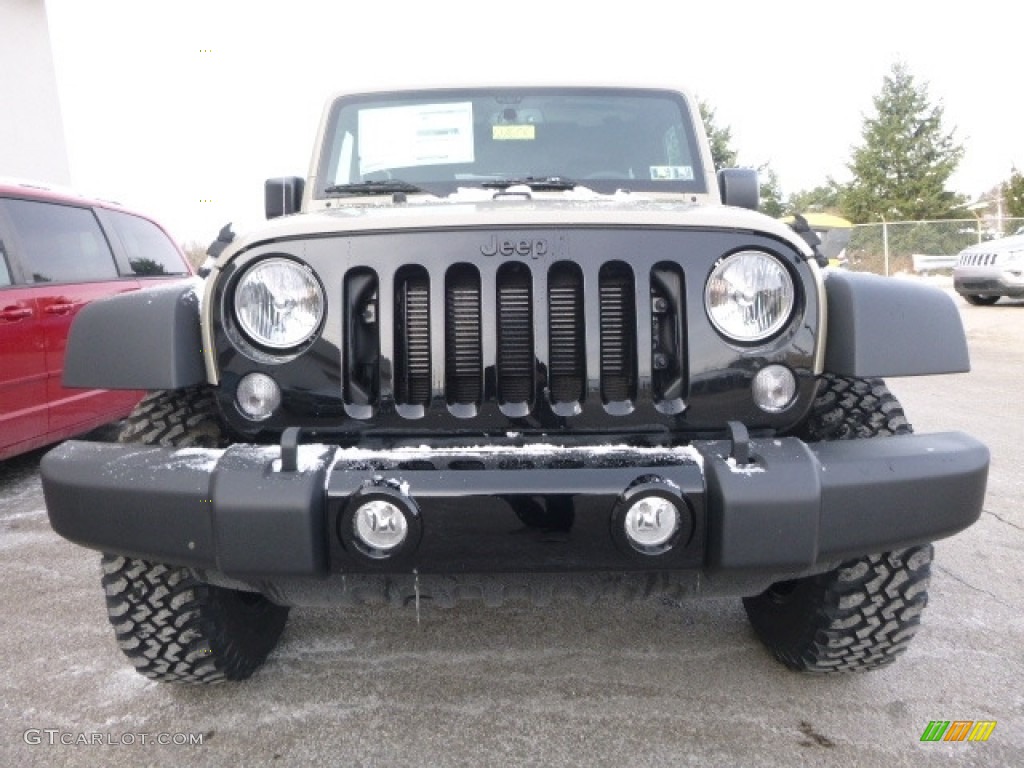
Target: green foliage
<point>1013,194</point>
<point>724,156</point>
<point>720,138</point>
<point>771,192</point>
<point>901,169</point>
<point>824,198</point>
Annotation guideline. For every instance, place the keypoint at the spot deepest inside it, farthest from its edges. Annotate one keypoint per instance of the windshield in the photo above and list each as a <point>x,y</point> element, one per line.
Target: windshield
<point>604,139</point>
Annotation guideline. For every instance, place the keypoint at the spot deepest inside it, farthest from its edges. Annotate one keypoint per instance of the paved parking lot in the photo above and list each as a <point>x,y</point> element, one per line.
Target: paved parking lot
<point>652,683</point>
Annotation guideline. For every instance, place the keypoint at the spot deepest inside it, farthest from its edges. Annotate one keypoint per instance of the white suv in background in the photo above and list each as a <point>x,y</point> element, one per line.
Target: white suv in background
<point>986,271</point>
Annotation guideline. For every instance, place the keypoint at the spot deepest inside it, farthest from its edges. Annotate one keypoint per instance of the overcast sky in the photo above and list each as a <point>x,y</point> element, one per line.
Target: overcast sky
<point>182,109</point>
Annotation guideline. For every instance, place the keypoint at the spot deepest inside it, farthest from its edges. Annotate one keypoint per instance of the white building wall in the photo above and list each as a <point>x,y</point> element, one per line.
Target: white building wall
<point>31,129</point>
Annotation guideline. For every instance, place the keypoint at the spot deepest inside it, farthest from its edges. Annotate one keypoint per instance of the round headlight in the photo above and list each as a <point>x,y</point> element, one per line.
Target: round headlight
<point>749,296</point>
<point>279,303</point>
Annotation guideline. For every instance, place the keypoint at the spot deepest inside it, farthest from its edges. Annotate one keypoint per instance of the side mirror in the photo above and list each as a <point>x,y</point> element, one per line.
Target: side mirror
<point>739,187</point>
<point>283,196</point>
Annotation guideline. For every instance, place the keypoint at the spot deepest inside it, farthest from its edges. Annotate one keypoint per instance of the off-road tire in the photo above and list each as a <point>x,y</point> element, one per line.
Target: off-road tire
<point>857,617</point>
<point>172,626</point>
<point>175,628</point>
<point>851,409</point>
<point>861,615</point>
<point>980,301</point>
<point>180,418</point>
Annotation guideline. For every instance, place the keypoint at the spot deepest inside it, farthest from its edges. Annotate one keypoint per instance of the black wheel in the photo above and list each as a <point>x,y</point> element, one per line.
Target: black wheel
<point>861,615</point>
<point>172,626</point>
<point>981,301</point>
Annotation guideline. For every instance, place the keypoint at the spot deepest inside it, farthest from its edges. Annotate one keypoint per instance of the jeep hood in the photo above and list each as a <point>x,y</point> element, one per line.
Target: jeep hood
<point>1002,245</point>
<point>621,210</point>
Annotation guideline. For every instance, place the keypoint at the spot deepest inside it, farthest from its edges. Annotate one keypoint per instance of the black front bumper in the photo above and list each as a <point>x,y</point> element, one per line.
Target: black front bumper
<point>515,509</point>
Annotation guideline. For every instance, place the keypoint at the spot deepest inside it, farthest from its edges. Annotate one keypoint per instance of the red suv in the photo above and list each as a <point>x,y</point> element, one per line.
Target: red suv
<point>58,252</point>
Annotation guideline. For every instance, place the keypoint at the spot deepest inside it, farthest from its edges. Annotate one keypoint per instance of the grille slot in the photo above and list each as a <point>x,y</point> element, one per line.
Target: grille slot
<point>668,363</point>
<point>618,332</point>
<point>362,342</point>
<point>412,336</point>
<point>566,334</point>
<point>515,334</point>
<point>463,347</point>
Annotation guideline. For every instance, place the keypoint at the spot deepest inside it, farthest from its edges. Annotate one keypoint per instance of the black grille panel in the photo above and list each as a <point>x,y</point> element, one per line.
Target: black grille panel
<point>516,336</point>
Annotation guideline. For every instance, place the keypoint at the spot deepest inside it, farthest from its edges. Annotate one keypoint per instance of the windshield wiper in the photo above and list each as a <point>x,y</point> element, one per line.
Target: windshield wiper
<point>381,187</point>
<point>536,183</point>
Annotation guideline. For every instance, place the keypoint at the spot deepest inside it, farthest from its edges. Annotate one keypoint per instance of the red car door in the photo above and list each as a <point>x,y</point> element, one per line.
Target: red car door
<point>68,262</point>
<point>71,408</point>
<point>23,366</point>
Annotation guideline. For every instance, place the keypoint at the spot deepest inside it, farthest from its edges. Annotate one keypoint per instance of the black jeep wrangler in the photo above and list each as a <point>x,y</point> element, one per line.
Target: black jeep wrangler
<point>515,342</point>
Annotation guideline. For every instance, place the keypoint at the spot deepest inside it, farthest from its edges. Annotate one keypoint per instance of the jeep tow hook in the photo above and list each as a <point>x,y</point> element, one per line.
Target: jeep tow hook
<point>739,439</point>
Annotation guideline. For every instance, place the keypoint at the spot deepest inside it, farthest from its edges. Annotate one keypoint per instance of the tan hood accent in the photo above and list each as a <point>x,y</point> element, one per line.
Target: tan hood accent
<point>601,212</point>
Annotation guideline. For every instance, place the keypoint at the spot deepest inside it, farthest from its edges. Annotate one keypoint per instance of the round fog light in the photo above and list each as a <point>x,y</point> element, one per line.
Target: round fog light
<point>380,525</point>
<point>651,522</point>
<point>774,388</point>
<point>258,396</point>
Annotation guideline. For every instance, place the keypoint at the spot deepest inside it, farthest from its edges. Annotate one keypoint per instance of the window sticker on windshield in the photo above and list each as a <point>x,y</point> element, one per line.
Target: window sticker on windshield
<point>514,132</point>
<point>684,172</point>
<point>421,134</point>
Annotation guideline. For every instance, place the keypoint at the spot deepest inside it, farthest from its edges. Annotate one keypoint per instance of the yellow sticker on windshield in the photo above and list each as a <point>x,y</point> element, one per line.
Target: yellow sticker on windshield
<point>513,132</point>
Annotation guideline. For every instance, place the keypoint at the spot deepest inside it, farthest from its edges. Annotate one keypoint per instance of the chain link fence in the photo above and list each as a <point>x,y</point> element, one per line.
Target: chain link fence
<point>887,248</point>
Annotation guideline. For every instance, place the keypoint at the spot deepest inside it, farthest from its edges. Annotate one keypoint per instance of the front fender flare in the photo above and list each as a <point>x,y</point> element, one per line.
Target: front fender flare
<point>146,339</point>
<point>884,326</point>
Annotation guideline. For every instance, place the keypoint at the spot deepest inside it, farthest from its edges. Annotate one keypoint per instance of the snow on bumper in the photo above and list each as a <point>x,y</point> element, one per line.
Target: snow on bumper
<point>794,507</point>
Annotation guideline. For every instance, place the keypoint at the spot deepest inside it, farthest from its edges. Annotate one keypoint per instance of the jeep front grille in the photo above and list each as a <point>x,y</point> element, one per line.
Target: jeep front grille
<point>513,335</point>
<point>978,259</point>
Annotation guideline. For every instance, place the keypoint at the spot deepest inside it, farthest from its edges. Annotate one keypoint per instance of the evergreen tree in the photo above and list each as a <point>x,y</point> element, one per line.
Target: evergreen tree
<point>1013,194</point>
<point>823,198</point>
<point>771,192</point>
<point>901,170</point>
<point>722,153</point>
<point>724,156</point>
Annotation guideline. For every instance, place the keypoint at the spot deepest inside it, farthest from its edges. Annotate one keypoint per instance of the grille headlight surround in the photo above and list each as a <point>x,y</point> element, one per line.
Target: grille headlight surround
<point>279,303</point>
<point>749,296</point>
